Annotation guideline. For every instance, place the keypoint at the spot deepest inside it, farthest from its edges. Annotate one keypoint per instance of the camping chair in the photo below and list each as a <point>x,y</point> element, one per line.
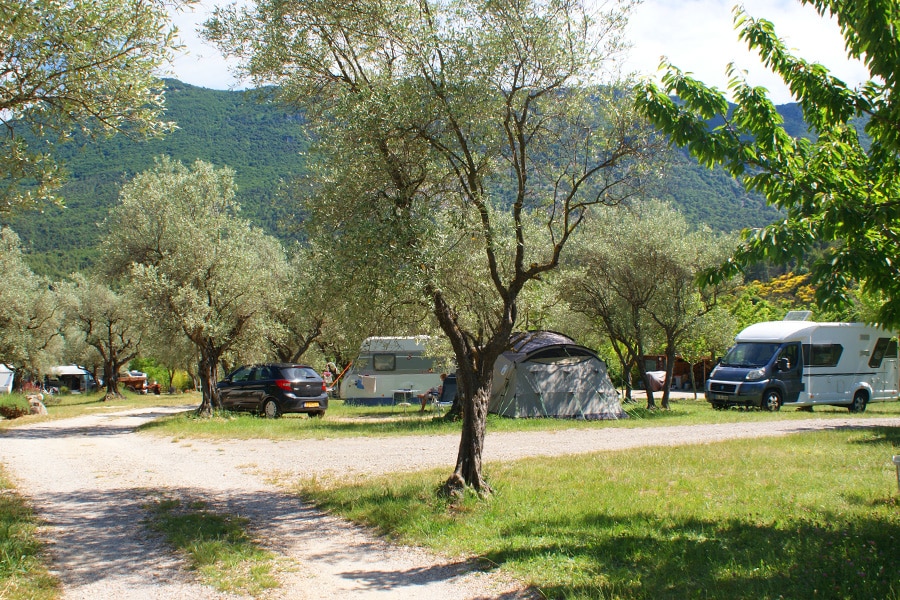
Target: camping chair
<point>445,398</point>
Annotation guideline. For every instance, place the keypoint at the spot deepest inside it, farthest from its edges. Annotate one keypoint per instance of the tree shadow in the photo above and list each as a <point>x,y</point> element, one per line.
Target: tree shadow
<point>686,558</point>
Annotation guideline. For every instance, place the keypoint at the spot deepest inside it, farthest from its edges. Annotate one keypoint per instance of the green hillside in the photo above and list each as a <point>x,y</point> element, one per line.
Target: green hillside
<point>264,146</point>
<point>260,142</point>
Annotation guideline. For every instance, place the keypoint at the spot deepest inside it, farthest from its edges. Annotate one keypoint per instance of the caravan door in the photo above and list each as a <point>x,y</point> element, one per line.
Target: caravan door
<point>884,360</point>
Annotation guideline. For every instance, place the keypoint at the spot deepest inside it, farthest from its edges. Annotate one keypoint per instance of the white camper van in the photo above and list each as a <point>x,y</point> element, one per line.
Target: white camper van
<point>803,363</point>
<point>389,369</point>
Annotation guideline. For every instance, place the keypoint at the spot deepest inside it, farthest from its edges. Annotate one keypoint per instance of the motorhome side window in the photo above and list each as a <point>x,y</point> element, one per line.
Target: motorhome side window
<point>384,362</point>
<point>884,348</point>
<point>822,355</point>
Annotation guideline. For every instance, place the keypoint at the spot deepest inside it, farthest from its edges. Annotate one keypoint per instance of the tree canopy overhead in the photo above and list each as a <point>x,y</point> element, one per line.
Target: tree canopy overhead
<point>458,147</point>
<point>841,188</point>
<point>66,66</point>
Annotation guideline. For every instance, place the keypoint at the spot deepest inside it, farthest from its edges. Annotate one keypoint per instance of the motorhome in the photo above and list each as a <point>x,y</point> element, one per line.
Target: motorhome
<point>804,363</point>
<point>388,370</point>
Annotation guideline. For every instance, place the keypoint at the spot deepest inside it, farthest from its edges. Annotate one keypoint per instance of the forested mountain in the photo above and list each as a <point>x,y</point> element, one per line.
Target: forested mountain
<point>264,146</point>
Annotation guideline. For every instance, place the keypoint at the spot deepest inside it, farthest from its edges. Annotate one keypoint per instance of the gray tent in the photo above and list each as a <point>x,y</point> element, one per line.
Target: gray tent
<point>545,374</point>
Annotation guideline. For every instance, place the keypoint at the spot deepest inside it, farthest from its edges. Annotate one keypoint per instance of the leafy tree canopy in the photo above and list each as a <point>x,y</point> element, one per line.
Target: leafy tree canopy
<point>841,187</point>
<point>75,66</point>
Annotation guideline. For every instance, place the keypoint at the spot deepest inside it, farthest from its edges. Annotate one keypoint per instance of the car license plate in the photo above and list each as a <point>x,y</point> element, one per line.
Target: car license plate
<point>719,397</point>
<point>310,405</point>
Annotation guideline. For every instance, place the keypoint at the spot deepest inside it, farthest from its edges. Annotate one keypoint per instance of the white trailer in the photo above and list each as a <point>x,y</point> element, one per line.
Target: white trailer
<point>803,363</point>
<point>390,369</point>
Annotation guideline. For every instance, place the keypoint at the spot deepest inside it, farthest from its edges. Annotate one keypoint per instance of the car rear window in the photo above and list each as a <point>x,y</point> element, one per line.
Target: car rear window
<point>294,373</point>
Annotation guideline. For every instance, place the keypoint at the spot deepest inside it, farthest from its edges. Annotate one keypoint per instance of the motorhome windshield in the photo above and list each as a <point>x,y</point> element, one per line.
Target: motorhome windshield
<point>750,354</point>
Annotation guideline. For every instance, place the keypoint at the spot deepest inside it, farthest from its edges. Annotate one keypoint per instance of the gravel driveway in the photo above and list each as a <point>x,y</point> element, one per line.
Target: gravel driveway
<point>88,478</point>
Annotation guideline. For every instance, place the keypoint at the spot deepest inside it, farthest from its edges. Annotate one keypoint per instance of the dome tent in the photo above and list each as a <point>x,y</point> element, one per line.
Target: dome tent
<point>545,374</point>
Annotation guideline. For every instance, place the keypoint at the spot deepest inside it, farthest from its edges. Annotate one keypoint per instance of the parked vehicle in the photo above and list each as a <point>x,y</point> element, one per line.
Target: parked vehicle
<point>77,379</point>
<point>389,366</point>
<point>274,389</point>
<point>803,363</point>
<point>135,381</point>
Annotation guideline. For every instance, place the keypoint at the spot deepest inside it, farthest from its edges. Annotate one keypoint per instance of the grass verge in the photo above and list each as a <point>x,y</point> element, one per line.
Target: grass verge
<point>217,546</point>
<point>74,405</point>
<point>23,572</point>
<point>813,515</point>
<point>355,421</point>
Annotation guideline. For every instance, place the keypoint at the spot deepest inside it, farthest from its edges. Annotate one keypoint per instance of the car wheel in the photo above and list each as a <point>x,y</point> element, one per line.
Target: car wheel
<point>860,399</point>
<point>270,409</point>
<point>771,400</point>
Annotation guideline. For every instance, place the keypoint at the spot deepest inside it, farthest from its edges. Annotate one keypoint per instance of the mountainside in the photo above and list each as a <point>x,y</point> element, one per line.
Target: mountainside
<point>264,146</point>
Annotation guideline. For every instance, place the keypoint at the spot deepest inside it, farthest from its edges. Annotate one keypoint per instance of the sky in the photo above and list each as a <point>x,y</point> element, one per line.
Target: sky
<point>697,36</point>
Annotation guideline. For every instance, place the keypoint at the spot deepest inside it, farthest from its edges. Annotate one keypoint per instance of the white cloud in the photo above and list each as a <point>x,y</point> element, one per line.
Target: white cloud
<point>697,36</point>
<point>200,63</point>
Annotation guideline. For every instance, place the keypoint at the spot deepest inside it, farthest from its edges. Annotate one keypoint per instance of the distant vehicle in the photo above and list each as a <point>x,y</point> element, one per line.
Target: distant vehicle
<point>136,381</point>
<point>803,363</point>
<point>76,379</point>
<point>387,367</point>
<point>274,389</point>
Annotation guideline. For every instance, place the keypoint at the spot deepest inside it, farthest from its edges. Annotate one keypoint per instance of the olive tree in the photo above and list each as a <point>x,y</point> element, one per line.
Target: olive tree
<point>637,273</point>
<point>448,124</point>
<point>31,311</point>
<point>195,264</point>
<point>88,67</point>
<point>108,322</point>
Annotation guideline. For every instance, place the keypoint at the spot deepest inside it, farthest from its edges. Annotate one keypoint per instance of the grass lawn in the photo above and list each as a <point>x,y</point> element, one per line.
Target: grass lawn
<point>814,515</point>
<point>355,421</point>
<point>23,574</point>
<point>73,405</point>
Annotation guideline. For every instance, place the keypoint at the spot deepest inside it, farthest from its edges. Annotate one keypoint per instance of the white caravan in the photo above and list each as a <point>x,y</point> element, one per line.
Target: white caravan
<point>803,363</point>
<point>389,369</point>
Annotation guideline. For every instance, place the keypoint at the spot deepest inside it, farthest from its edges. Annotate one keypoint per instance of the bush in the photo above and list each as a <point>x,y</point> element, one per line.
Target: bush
<point>14,409</point>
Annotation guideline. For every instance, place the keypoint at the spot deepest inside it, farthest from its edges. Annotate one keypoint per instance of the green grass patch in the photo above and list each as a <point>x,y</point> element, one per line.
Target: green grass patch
<point>74,405</point>
<point>813,515</point>
<point>217,546</point>
<point>23,572</point>
<point>357,421</point>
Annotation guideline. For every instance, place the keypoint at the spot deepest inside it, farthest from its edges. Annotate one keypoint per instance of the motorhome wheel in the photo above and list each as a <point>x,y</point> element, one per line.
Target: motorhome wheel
<point>771,400</point>
<point>860,399</point>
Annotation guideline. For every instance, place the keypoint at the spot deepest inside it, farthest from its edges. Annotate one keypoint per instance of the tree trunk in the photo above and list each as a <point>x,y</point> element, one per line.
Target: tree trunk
<point>471,444</point>
<point>208,371</point>
<point>670,369</point>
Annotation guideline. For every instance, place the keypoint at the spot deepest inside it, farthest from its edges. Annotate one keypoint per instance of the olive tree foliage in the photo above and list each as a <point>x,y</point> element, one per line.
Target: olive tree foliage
<point>302,317</point>
<point>636,272</point>
<point>67,66</point>
<point>840,188</point>
<point>443,125</point>
<point>198,268</point>
<point>107,321</point>
<point>31,312</point>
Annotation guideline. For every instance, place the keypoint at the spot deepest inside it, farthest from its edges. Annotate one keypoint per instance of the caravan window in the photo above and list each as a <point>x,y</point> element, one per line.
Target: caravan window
<point>884,348</point>
<point>822,355</point>
<point>384,362</point>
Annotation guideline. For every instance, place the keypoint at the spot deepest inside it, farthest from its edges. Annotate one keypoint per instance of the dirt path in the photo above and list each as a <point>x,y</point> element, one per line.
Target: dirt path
<point>89,478</point>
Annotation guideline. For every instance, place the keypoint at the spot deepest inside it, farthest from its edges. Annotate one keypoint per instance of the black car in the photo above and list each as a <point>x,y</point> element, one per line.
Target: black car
<point>274,389</point>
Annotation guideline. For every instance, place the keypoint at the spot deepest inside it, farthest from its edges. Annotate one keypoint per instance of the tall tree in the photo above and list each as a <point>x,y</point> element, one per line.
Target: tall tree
<point>637,274</point>
<point>441,124</point>
<point>75,66</point>
<point>31,312</point>
<point>195,263</point>
<point>108,322</point>
<point>841,187</point>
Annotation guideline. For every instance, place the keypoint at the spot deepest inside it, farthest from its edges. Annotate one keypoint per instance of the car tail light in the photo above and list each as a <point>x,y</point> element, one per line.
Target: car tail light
<point>324,387</point>
<point>283,384</point>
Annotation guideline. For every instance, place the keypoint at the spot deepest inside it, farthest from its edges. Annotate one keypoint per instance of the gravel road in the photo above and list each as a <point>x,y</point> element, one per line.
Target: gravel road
<point>89,478</point>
